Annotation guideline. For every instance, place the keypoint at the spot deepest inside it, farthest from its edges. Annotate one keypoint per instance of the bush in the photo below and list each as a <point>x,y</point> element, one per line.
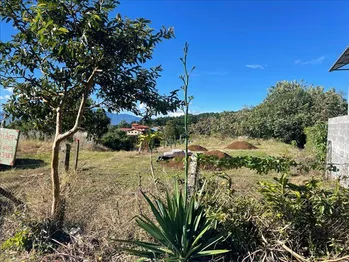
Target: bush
<point>309,220</point>
<point>317,140</point>
<point>41,236</point>
<point>317,217</point>
<point>118,140</point>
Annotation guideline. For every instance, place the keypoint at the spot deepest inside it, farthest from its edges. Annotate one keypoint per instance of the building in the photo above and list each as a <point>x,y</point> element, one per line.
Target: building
<point>135,130</point>
<point>338,135</point>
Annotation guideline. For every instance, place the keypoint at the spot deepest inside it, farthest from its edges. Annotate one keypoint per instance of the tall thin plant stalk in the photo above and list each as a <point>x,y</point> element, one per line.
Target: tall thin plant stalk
<point>187,100</point>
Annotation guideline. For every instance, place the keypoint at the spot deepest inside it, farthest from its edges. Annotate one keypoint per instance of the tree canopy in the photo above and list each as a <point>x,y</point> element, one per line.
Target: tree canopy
<point>289,108</point>
<point>64,52</point>
<point>59,45</point>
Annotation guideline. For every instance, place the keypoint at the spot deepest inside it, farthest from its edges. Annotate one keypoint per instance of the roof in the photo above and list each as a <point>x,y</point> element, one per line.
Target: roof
<point>343,60</point>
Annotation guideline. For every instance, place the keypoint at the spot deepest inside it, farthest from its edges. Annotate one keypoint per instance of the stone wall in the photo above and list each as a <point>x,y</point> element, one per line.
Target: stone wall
<point>338,148</point>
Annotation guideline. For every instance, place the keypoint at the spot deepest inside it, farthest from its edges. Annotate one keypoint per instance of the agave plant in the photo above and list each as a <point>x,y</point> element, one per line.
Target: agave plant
<point>181,232</point>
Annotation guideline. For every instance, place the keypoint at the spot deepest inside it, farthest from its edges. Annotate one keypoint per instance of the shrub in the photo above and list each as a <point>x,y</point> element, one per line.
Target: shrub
<point>310,221</point>
<point>317,140</point>
<point>118,140</point>
<point>259,164</point>
<point>42,236</point>
<point>317,217</point>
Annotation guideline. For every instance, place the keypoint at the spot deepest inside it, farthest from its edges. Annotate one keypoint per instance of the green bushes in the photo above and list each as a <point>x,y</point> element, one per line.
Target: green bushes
<point>41,236</point>
<point>317,217</point>
<point>118,140</point>
<point>317,140</point>
<point>261,165</point>
<point>308,221</point>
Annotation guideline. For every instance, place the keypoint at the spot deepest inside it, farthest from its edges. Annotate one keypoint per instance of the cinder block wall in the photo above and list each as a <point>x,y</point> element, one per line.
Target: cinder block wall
<point>338,148</point>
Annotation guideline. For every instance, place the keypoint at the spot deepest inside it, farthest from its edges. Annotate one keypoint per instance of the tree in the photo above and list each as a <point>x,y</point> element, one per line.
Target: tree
<point>96,123</point>
<point>116,139</point>
<point>170,131</point>
<point>63,52</point>
<point>123,124</point>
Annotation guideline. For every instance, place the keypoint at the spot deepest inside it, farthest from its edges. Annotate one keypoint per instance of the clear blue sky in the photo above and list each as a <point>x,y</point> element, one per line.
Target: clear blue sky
<point>240,48</point>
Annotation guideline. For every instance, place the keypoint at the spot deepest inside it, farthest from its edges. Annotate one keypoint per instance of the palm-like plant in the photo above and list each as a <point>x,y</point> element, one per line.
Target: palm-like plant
<point>181,231</point>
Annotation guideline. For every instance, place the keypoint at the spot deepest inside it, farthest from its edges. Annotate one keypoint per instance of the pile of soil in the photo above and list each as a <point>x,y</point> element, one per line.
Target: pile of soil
<point>217,153</point>
<point>177,162</point>
<point>241,145</point>
<point>197,148</point>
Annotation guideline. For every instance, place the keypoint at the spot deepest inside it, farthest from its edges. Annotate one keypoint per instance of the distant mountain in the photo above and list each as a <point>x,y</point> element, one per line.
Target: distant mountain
<point>117,118</point>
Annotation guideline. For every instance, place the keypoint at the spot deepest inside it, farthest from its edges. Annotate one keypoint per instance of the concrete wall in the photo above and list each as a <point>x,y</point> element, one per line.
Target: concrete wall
<point>84,142</point>
<point>338,148</point>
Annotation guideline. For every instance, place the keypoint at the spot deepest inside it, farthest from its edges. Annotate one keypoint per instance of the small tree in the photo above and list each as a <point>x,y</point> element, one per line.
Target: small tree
<point>63,52</point>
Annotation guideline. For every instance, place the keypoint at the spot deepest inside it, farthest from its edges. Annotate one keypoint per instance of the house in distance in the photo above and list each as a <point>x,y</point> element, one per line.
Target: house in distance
<point>135,130</point>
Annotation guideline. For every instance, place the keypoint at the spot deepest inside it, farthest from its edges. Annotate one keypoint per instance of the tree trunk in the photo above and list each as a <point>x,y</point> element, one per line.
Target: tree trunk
<point>59,137</point>
<point>55,177</point>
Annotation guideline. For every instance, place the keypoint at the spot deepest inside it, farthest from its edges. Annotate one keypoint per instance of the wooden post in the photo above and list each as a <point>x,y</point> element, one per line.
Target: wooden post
<point>65,156</point>
<point>77,153</point>
<point>193,174</point>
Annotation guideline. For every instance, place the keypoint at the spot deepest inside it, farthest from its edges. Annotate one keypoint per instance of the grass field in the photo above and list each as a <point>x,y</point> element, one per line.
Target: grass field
<point>103,194</point>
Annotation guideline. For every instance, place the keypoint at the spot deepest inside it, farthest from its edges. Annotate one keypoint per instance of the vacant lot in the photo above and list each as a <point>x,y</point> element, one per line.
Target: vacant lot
<point>103,194</point>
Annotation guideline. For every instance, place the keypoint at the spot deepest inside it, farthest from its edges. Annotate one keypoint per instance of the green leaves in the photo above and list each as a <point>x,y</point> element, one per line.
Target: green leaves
<point>57,45</point>
<point>63,30</point>
<point>261,165</point>
<point>181,230</point>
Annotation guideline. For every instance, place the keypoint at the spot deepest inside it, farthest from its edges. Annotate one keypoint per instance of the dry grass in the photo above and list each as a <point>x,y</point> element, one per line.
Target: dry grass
<point>103,194</point>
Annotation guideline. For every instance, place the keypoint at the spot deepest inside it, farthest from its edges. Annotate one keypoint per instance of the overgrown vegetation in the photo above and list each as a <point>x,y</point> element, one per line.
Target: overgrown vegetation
<point>62,54</point>
<point>289,222</point>
<point>317,140</point>
<point>288,109</point>
<point>116,139</point>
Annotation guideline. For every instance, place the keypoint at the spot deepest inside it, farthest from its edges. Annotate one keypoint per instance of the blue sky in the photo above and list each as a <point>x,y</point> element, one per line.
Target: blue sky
<point>240,48</point>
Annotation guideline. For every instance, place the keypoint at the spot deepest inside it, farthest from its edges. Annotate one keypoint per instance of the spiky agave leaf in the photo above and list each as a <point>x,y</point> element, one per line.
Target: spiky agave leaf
<point>180,230</point>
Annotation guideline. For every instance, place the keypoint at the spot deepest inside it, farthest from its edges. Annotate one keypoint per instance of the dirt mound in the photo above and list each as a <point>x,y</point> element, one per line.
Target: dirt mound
<point>217,153</point>
<point>241,145</point>
<point>196,148</point>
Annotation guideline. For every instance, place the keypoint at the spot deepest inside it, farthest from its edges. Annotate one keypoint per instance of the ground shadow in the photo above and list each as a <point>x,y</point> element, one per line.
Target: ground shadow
<point>25,163</point>
<point>5,208</point>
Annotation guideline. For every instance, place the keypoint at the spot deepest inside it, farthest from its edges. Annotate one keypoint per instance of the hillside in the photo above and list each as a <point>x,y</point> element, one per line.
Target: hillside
<point>117,118</point>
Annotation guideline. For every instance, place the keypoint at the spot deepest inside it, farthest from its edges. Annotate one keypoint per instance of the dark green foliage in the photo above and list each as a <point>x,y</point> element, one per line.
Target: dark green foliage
<point>180,231</point>
<point>64,52</point>
<point>311,220</point>
<point>318,217</point>
<point>124,124</point>
<point>116,139</point>
<point>96,123</point>
<point>317,140</point>
<point>172,131</point>
<point>261,165</point>
<point>287,110</point>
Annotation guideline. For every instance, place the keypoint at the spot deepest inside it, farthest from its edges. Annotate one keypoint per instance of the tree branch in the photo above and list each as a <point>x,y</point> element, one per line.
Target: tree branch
<point>84,98</point>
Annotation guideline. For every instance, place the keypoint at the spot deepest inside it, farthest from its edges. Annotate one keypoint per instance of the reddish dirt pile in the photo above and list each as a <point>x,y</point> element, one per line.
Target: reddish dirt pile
<point>196,148</point>
<point>217,153</point>
<point>177,162</point>
<point>241,145</point>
